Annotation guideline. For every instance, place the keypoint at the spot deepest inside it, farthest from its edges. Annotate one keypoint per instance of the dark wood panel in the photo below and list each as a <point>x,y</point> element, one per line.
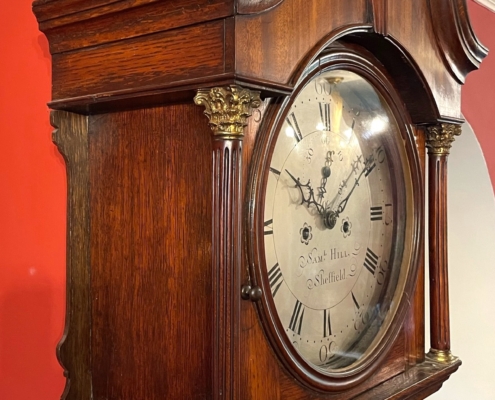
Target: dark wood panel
<point>52,9</point>
<point>407,25</point>
<point>63,12</point>
<point>132,22</point>
<point>255,6</point>
<point>74,349</point>
<point>271,45</point>
<point>151,254</point>
<point>416,383</point>
<point>141,62</point>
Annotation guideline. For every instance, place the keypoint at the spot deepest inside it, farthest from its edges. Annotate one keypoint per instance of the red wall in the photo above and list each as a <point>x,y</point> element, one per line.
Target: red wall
<point>32,199</point>
<point>478,96</point>
<point>32,213</point>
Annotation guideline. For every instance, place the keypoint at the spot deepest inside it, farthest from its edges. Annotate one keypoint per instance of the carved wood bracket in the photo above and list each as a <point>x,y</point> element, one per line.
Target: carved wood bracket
<point>71,135</point>
<point>459,46</point>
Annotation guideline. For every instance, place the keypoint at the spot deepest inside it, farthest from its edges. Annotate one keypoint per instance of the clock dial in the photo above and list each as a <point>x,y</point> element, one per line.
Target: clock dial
<point>334,220</point>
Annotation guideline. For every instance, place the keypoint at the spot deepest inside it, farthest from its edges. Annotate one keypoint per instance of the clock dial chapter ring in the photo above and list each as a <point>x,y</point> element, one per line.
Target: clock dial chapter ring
<point>335,256</point>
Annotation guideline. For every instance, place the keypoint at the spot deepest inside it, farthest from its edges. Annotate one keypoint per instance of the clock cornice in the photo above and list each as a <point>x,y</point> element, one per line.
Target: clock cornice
<point>125,54</point>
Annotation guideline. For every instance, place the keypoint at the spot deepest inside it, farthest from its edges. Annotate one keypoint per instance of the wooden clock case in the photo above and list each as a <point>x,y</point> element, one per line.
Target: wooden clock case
<point>158,203</point>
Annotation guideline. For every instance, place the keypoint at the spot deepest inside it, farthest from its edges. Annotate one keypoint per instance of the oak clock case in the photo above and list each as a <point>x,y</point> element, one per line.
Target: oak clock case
<point>334,222</point>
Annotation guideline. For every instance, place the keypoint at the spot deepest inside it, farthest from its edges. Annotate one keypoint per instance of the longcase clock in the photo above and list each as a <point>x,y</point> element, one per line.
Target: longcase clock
<point>246,194</point>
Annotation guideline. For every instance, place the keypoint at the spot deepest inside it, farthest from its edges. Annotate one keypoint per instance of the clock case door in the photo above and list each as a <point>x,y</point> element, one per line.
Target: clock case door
<point>357,60</point>
<point>142,271</point>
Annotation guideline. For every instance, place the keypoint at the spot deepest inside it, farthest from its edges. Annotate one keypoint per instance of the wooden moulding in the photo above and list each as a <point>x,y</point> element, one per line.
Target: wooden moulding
<point>110,54</point>
<point>416,383</point>
<point>74,349</point>
<point>415,322</point>
<point>62,19</point>
<point>460,48</point>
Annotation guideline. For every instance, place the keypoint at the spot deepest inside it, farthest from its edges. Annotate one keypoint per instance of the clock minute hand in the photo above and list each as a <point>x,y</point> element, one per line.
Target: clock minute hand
<point>369,165</point>
<point>343,203</point>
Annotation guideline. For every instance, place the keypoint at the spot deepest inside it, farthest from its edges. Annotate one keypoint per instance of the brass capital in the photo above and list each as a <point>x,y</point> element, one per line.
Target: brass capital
<point>439,138</point>
<point>228,108</point>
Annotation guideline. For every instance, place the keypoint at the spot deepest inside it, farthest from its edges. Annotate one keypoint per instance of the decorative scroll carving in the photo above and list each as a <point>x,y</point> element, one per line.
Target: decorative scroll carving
<point>74,349</point>
<point>228,108</point>
<point>459,46</point>
<point>256,6</point>
<point>440,138</point>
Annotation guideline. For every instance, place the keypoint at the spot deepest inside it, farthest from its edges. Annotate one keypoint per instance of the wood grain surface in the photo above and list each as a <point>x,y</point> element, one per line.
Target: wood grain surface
<point>415,322</point>
<point>66,34</point>
<point>74,349</point>
<point>438,249</point>
<point>151,280</point>
<point>141,62</point>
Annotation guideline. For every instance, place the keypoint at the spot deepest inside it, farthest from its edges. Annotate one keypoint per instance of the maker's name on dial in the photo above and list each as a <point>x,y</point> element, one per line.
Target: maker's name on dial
<point>322,278</point>
<point>316,257</point>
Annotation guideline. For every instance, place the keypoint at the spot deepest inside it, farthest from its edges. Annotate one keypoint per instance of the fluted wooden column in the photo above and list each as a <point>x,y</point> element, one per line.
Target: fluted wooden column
<point>227,109</point>
<point>439,141</point>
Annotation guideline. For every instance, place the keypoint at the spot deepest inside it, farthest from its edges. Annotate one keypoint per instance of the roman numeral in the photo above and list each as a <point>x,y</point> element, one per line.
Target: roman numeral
<point>275,279</point>
<point>356,303</point>
<point>325,115</point>
<point>327,326</point>
<point>297,318</point>
<point>276,172</point>
<point>370,167</point>
<point>371,261</point>
<point>268,227</point>
<point>292,121</point>
<point>388,214</point>
<point>376,213</point>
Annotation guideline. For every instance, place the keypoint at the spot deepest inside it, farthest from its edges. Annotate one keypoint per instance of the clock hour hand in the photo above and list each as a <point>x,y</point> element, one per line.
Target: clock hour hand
<point>325,173</point>
<point>307,193</point>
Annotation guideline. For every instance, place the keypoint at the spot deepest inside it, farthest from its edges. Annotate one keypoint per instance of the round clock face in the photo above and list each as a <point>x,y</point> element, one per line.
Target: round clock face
<point>336,200</point>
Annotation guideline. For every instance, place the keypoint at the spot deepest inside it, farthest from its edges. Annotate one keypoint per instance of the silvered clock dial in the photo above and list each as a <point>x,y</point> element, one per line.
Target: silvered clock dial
<point>336,220</point>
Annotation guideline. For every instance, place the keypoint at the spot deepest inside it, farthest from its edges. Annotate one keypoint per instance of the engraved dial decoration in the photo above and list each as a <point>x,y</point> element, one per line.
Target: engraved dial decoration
<point>334,220</point>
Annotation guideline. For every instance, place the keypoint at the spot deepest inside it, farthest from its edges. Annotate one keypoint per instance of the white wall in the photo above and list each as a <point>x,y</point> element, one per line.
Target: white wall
<point>471,207</point>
